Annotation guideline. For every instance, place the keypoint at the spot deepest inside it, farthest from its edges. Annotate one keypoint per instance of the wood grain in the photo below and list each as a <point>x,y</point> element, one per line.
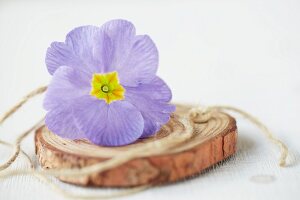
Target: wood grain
<point>214,141</point>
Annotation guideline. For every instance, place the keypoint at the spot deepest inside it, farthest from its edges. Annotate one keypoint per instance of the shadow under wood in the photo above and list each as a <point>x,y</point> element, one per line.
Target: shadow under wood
<point>244,146</point>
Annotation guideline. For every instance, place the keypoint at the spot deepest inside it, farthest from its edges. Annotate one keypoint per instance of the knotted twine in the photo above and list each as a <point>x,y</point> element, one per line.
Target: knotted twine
<point>157,147</point>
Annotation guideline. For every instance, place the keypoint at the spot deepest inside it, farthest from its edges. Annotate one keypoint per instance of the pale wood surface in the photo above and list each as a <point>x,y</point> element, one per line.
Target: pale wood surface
<point>215,140</point>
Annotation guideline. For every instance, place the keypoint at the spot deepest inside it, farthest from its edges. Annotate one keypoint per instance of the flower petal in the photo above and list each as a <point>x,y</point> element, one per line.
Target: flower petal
<point>121,33</point>
<point>59,54</point>
<point>135,57</point>
<point>93,46</point>
<point>152,100</point>
<point>86,48</point>
<point>66,85</point>
<point>61,122</point>
<point>115,124</point>
<point>141,64</point>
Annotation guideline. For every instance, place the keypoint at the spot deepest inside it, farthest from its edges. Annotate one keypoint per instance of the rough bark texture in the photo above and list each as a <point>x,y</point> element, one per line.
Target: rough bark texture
<point>55,152</point>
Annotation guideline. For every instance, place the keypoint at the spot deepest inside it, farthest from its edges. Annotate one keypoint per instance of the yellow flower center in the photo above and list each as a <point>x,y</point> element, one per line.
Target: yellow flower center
<point>107,87</point>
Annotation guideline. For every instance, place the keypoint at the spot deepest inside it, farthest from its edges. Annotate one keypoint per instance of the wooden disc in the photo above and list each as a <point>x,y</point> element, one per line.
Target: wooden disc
<point>214,141</point>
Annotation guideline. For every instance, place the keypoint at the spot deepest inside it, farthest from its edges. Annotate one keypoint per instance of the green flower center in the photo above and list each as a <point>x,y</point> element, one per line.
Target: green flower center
<point>105,88</point>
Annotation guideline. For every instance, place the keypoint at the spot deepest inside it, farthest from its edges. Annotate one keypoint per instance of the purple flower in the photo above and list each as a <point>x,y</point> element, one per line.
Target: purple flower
<point>104,86</point>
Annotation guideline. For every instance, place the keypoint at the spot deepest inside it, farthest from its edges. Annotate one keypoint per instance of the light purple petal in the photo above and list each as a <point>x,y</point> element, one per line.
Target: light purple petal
<point>59,54</point>
<point>135,58</point>
<point>93,46</point>
<point>141,64</point>
<point>61,122</point>
<point>152,100</point>
<point>115,124</point>
<point>86,48</point>
<point>121,33</point>
<point>66,85</point>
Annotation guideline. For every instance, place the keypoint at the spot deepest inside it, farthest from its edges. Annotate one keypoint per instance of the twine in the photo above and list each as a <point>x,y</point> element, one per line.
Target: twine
<point>67,194</point>
<point>157,147</point>
<point>30,95</point>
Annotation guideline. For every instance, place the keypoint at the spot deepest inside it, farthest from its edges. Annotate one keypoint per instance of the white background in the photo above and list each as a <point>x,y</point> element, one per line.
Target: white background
<point>242,53</point>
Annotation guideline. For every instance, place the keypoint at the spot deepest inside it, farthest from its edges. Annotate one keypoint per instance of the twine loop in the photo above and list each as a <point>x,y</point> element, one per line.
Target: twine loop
<point>200,114</point>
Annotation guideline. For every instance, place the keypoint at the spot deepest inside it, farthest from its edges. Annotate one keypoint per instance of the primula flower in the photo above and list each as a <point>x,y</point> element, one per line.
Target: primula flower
<point>104,85</point>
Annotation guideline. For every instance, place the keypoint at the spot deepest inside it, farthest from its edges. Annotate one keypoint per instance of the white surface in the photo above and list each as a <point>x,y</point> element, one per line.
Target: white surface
<point>242,53</point>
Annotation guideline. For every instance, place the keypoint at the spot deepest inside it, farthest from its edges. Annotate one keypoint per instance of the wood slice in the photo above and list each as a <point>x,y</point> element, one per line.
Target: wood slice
<point>214,141</point>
